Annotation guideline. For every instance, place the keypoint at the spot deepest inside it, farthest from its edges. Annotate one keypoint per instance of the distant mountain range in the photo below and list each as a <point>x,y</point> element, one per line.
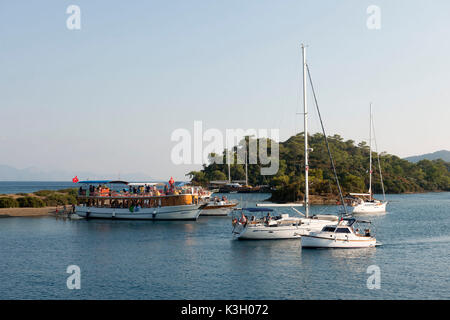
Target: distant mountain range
<point>8,173</point>
<point>442,154</point>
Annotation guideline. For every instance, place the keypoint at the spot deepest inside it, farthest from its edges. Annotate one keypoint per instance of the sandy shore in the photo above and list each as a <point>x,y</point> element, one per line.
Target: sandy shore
<point>29,212</point>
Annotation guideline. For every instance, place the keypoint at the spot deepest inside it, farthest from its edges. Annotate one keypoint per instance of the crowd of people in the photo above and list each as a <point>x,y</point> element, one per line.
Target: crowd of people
<point>145,190</point>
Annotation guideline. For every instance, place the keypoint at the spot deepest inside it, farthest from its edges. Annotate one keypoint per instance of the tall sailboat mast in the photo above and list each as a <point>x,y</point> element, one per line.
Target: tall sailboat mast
<point>229,167</point>
<point>378,157</point>
<point>370,154</point>
<point>305,120</point>
<point>246,165</point>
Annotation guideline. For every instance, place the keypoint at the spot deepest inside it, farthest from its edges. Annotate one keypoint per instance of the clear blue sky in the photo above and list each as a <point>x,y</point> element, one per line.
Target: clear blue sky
<point>107,97</point>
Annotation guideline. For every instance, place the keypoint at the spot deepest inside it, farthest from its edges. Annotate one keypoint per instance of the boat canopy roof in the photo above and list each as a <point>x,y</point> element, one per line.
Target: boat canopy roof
<point>103,182</point>
<point>363,221</point>
<point>351,221</point>
<point>143,183</point>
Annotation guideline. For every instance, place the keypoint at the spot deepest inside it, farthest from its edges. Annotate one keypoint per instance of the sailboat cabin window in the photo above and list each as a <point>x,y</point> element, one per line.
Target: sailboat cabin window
<point>343,230</point>
<point>328,229</point>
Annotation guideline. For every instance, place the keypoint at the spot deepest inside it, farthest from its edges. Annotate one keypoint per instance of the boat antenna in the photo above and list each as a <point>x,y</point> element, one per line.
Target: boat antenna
<point>326,142</point>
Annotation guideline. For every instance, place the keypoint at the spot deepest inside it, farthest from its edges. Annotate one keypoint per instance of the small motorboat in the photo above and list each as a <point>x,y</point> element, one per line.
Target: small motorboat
<point>346,234</point>
<point>218,207</point>
<point>74,216</point>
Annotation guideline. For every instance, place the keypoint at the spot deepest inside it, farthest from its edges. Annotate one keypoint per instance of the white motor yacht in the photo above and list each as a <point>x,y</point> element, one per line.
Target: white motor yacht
<point>343,235</point>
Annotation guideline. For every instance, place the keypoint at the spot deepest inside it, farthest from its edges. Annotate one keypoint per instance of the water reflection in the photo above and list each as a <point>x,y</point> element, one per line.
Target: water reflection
<point>267,251</point>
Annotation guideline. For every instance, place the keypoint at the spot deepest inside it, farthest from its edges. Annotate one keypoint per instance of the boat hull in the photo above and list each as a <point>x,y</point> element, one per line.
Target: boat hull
<point>267,233</point>
<point>309,241</point>
<point>184,212</point>
<point>263,232</point>
<point>370,207</point>
<point>216,212</point>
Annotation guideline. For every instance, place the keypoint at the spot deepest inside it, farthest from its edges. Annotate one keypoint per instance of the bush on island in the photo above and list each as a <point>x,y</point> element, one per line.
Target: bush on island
<point>44,193</point>
<point>58,199</point>
<point>30,202</point>
<point>6,202</point>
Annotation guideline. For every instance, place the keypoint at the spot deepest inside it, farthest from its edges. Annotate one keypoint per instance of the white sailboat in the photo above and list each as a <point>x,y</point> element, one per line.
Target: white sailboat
<point>366,203</point>
<point>277,227</point>
<point>284,226</point>
<point>342,235</point>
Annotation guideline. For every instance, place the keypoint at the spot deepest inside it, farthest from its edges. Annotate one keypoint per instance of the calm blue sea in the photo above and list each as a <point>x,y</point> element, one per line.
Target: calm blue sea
<point>199,260</point>
<point>32,186</point>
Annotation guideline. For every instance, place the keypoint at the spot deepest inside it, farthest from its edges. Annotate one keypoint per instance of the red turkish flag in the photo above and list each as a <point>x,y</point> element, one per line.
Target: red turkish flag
<point>75,180</point>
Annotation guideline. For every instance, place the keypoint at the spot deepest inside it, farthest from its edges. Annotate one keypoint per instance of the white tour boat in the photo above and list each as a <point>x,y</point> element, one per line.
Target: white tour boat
<point>143,203</point>
<point>343,235</point>
<point>365,202</point>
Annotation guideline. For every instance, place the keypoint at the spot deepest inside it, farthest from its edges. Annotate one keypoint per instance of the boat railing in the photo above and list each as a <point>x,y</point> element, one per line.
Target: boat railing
<point>130,195</point>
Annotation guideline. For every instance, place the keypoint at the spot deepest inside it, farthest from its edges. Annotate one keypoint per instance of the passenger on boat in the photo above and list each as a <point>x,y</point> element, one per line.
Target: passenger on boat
<point>243,219</point>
